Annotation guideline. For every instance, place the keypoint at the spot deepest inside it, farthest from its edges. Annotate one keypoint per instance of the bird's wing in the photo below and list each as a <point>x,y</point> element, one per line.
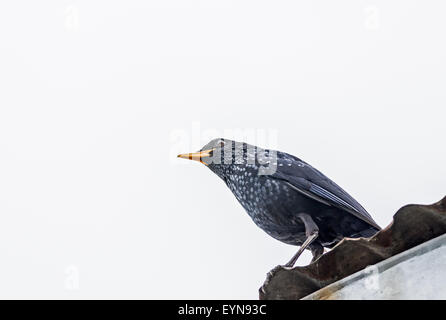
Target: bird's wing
<point>312,183</point>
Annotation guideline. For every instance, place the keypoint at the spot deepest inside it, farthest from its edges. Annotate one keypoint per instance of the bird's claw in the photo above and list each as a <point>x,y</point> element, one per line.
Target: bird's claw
<point>276,269</point>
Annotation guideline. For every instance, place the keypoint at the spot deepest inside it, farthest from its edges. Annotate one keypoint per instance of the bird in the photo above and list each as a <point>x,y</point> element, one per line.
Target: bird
<point>286,197</point>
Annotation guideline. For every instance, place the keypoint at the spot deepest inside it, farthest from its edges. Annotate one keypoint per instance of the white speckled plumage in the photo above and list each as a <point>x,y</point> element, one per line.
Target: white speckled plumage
<point>291,187</point>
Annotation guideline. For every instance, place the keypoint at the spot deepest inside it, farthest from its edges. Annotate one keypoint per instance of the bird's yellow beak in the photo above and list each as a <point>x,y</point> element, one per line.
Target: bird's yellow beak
<point>197,156</point>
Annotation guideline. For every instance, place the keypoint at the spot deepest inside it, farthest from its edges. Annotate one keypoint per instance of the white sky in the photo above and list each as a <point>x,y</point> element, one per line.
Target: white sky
<point>96,97</point>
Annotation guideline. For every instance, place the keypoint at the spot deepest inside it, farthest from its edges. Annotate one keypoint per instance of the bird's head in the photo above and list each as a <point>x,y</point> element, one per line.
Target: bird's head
<point>220,155</point>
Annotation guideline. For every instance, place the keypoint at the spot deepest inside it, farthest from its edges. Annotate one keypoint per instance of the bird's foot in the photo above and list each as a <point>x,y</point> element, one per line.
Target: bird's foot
<point>276,269</point>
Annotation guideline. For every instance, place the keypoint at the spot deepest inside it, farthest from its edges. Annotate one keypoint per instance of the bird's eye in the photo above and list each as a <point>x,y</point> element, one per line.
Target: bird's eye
<point>221,143</point>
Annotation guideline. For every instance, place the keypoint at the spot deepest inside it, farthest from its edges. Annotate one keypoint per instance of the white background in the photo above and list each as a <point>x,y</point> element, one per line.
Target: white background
<point>97,97</point>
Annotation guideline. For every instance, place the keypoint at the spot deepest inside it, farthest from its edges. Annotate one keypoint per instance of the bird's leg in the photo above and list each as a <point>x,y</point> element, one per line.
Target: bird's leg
<point>311,231</point>
<point>307,242</point>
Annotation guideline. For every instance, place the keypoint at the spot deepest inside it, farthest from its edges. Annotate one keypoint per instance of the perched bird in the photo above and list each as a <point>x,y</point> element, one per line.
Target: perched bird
<point>286,197</point>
